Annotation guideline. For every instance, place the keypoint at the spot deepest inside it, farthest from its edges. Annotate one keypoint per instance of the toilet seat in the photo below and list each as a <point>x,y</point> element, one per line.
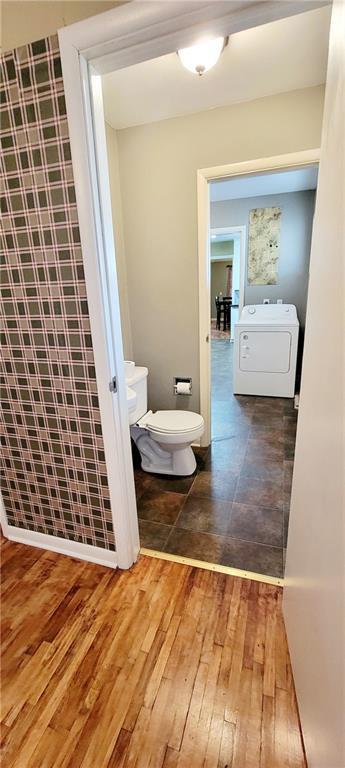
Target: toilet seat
<point>172,422</point>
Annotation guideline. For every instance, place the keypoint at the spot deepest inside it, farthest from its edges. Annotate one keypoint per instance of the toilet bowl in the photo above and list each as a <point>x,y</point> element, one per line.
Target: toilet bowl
<point>163,438</point>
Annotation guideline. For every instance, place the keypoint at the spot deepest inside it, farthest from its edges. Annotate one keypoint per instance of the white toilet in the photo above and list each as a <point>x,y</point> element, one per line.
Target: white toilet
<point>163,438</point>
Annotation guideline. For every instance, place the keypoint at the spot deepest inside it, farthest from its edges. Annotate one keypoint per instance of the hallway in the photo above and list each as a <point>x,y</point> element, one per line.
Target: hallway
<point>163,665</point>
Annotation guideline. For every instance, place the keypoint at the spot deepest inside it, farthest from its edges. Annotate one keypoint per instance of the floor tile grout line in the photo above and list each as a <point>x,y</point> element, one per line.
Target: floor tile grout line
<point>231,501</point>
<point>259,543</point>
<point>182,507</point>
<point>239,474</point>
<point>155,523</point>
<point>227,536</point>
<point>161,490</point>
<point>167,538</point>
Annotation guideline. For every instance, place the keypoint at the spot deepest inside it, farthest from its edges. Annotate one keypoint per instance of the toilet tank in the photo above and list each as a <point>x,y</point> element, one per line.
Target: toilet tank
<point>136,378</point>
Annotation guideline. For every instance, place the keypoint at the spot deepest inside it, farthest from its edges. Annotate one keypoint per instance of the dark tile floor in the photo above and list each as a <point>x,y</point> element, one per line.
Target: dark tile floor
<point>234,511</point>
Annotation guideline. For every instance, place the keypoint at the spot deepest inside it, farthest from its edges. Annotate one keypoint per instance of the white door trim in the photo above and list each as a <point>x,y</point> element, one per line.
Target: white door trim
<point>122,36</point>
<point>206,439</point>
<point>137,31</point>
<point>104,315</point>
<point>242,230</point>
<point>204,176</point>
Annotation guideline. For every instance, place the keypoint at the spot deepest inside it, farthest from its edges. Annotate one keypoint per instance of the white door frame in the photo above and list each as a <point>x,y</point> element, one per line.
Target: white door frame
<point>123,36</point>
<point>242,230</point>
<point>204,176</point>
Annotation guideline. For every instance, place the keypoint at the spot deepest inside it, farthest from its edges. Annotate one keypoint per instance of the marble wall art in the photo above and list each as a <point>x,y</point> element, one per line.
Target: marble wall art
<point>263,246</point>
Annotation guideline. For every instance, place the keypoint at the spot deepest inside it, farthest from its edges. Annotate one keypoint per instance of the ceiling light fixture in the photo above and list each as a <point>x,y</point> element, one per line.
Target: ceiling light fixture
<point>201,57</point>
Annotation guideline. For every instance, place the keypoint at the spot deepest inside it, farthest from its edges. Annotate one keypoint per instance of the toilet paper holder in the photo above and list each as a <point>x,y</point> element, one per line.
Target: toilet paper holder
<point>182,380</point>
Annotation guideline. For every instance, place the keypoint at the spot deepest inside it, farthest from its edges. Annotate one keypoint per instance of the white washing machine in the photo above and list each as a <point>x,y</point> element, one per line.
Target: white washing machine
<point>265,350</point>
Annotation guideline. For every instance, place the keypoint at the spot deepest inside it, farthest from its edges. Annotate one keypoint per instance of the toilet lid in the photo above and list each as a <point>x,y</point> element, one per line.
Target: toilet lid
<point>174,421</point>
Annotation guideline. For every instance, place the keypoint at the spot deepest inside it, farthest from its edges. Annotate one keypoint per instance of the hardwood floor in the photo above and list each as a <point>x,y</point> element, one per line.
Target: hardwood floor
<point>165,666</point>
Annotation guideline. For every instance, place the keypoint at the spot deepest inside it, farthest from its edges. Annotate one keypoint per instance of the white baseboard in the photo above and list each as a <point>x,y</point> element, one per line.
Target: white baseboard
<point>3,518</point>
<point>62,546</point>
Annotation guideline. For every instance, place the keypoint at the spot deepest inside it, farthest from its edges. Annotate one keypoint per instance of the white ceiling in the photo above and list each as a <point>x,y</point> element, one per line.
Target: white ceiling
<point>281,56</point>
<point>264,184</point>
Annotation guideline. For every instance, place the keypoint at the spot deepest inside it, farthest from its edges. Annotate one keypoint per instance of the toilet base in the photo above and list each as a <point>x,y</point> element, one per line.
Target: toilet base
<point>182,464</point>
<point>167,459</point>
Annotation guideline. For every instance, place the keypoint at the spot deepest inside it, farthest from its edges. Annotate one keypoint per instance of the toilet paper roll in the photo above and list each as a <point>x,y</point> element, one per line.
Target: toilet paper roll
<point>183,388</point>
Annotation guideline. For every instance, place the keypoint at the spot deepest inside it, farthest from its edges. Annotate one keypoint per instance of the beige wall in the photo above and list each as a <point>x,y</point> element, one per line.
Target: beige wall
<point>23,21</point>
<point>158,164</point>
<point>314,603</point>
<point>115,191</point>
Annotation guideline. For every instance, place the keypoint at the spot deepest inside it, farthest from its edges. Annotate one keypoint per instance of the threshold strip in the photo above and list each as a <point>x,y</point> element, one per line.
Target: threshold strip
<point>278,582</point>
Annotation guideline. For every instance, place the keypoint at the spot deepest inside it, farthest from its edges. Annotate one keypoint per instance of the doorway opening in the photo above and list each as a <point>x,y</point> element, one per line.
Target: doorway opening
<point>227,250</point>
<point>233,510</point>
<point>193,526</point>
<point>254,419</point>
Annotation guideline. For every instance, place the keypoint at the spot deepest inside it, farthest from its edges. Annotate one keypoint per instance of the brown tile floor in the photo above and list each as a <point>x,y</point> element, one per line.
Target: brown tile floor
<point>235,509</point>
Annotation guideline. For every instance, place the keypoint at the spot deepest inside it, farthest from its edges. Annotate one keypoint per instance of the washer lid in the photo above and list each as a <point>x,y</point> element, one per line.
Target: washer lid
<point>174,421</point>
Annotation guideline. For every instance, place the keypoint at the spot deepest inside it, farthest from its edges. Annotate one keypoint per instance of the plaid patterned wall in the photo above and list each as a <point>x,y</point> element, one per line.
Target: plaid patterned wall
<point>55,478</point>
